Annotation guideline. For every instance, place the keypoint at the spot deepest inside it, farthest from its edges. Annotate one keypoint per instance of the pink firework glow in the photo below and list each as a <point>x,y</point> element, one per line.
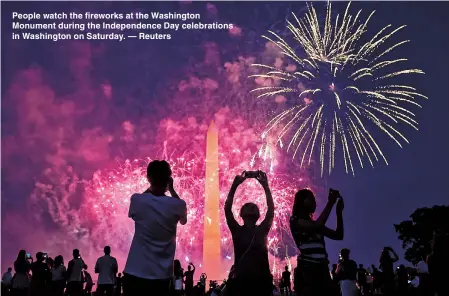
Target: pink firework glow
<point>102,218</point>
<point>75,123</point>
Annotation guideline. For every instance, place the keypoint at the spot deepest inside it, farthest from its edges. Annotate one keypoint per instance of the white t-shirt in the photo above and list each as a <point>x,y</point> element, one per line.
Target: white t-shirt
<point>106,266</point>
<point>57,273</point>
<point>422,267</point>
<point>154,243</point>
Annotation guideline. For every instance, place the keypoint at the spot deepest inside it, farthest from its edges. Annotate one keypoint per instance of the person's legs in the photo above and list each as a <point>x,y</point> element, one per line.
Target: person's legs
<point>109,290</point>
<point>69,289</point>
<point>161,287</point>
<point>100,290</point>
<point>134,286</point>
<point>313,280</point>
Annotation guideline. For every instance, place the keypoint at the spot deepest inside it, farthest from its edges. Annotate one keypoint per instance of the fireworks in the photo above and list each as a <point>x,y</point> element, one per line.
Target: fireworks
<point>343,85</point>
<point>102,218</point>
<point>108,196</point>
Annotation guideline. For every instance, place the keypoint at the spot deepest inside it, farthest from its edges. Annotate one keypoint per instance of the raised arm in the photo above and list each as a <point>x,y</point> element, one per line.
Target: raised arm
<point>331,200</point>
<point>183,211</point>
<point>268,221</point>
<point>232,223</point>
<point>171,189</point>
<point>314,226</point>
<point>339,231</point>
<point>395,256</point>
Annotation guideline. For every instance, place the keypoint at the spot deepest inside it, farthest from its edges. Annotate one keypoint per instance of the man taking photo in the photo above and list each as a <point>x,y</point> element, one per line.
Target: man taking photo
<point>150,260</point>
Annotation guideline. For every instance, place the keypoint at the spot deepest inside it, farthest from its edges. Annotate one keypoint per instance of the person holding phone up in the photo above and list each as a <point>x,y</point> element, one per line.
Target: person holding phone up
<point>313,277</point>
<point>251,268</point>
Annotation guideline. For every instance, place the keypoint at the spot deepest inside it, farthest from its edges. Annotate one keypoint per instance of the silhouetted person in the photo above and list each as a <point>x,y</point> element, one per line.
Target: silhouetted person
<point>402,281</point>
<point>75,275</point>
<point>89,282</point>
<point>178,275</point>
<point>335,281</point>
<point>21,279</point>
<point>286,281</point>
<point>424,288</point>
<point>203,279</point>
<point>7,281</point>
<point>40,277</point>
<point>189,279</point>
<point>438,262</point>
<point>118,285</point>
<point>361,279</point>
<point>347,274</point>
<point>58,277</point>
<point>377,279</point>
<point>387,258</point>
<point>107,268</point>
<point>252,270</point>
<point>313,271</point>
<point>50,263</point>
<point>150,260</point>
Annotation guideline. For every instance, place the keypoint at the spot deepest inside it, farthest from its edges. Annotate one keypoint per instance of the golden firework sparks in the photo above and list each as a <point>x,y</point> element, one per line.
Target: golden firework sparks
<point>325,116</point>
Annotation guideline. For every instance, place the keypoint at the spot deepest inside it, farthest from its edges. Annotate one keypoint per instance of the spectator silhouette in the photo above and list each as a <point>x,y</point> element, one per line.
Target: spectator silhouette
<point>58,276</point>
<point>50,263</point>
<point>437,263</point>
<point>118,285</point>
<point>402,281</point>
<point>387,258</point>
<point>189,279</point>
<point>203,279</point>
<point>149,266</point>
<point>40,271</point>
<point>89,282</point>
<point>347,274</point>
<point>313,271</point>
<point>286,281</point>
<point>424,288</point>
<point>107,268</point>
<point>335,281</point>
<point>252,270</point>
<point>21,279</point>
<point>7,281</point>
<point>361,279</point>
<point>75,275</point>
<point>178,274</point>
<point>377,279</point>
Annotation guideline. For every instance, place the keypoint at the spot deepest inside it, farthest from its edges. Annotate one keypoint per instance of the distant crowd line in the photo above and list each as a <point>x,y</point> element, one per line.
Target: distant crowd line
<point>151,269</point>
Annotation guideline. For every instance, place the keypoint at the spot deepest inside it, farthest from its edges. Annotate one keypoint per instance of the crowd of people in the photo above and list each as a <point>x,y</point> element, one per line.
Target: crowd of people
<point>151,268</point>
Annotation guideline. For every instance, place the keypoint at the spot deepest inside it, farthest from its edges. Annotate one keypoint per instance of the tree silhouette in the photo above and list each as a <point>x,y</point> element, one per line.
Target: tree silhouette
<point>416,234</point>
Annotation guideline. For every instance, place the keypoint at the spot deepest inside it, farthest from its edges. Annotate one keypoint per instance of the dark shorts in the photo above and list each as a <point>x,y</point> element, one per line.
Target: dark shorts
<point>135,286</point>
<point>312,279</point>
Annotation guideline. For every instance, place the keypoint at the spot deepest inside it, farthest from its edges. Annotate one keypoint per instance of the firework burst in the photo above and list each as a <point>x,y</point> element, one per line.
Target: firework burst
<point>343,84</point>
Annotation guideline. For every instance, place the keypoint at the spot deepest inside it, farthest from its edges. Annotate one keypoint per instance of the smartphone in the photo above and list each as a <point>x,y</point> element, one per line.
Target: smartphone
<point>45,255</point>
<point>251,174</point>
<point>28,255</point>
<point>334,192</point>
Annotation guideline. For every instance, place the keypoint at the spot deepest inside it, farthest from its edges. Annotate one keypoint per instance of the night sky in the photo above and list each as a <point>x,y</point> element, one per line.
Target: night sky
<point>143,76</point>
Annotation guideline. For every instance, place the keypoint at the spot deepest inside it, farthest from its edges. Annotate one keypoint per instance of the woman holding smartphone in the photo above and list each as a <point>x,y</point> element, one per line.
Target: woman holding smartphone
<point>313,277</point>
<point>21,280</point>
